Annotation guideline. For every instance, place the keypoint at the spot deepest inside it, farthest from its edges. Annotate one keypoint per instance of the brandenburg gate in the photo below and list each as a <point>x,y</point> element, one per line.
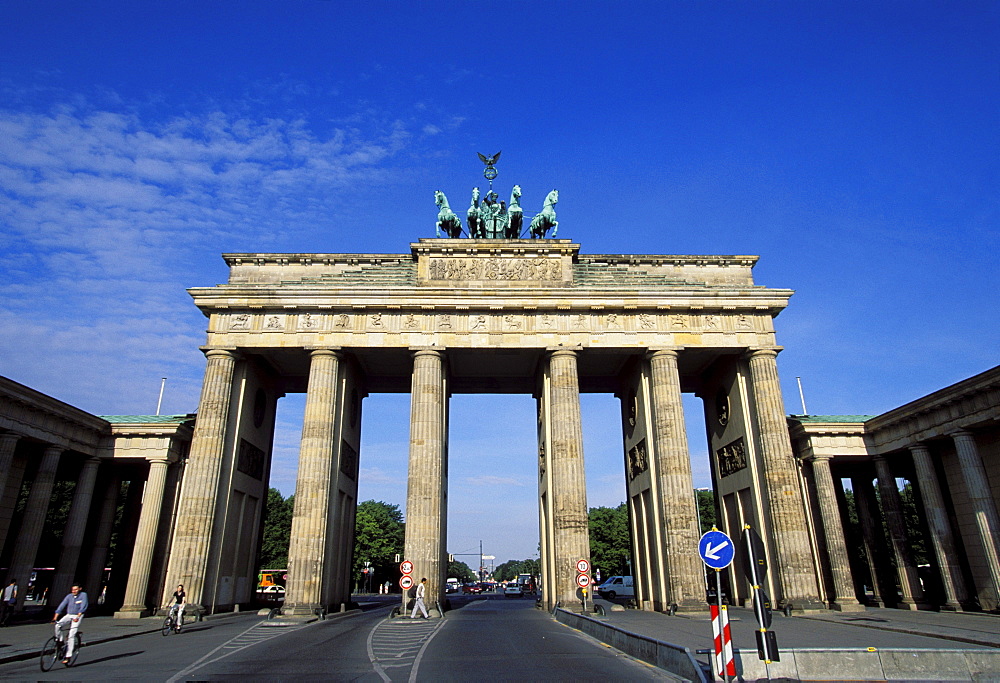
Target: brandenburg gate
<point>526,316</point>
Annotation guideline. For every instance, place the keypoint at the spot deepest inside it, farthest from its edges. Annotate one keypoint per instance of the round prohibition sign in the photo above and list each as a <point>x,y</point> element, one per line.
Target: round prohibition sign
<point>406,582</point>
<point>582,566</point>
<point>582,580</point>
<point>406,567</point>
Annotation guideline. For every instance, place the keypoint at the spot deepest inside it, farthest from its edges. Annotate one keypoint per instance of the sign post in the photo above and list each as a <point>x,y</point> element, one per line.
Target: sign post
<point>717,552</point>
<point>756,571</point>
<point>583,578</point>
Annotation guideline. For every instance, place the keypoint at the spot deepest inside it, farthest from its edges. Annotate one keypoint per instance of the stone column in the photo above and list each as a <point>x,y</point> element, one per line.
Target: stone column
<point>189,556</point>
<point>942,538</point>
<point>571,541</point>
<point>37,506</point>
<point>102,539</point>
<point>870,519</point>
<point>794,563</point>
<point>987,520</point>
<point>307,562</point>
<point>844,598</point>
<point>8,442</point>
<point>892,508</point>
<point>76,526</point>
<point>428,467</point>
<point>145,543</point>
<point>675,484</point>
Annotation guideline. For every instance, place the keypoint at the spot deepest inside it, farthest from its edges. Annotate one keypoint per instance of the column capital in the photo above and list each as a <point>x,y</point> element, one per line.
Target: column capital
<point>158,459</point>
<point>228,352</point>
<point>9,437</point>
<point>919,447</point>
<point>334,351</point>
<point>427,351</point>
<point>561,351</point>
<point>671,352</point>
<point>961,434</point>
<point>818,457</point>
<point>761,351</point>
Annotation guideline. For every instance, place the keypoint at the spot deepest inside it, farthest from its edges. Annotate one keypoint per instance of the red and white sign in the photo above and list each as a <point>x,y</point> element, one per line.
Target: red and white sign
<point>582,580</point>
<point>406,567</point>
<point>582,566</point>
<point>405,582</point>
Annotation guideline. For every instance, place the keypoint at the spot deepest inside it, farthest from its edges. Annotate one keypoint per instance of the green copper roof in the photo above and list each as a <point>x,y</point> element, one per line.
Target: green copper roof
<point>831,418</point>
<point>145,419</point>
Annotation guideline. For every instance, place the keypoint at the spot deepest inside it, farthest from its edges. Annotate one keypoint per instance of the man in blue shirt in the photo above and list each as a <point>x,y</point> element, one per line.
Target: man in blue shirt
<point>73,607</point>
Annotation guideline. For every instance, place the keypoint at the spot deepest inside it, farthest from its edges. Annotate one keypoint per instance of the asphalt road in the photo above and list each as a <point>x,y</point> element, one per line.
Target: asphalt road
<point>489,639</point>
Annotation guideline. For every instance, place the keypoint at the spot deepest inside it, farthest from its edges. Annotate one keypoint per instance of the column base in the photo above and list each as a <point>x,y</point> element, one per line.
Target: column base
<point>307,610</point>
<point>915,606</point>
<point>847,606</point>
<point>803,606</point>
<point>133,612</point>
<point>951,607</point>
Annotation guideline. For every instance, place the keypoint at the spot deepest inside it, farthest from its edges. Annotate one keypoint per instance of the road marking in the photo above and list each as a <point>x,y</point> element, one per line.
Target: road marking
<point>395,645</point>
<point>248,638</point>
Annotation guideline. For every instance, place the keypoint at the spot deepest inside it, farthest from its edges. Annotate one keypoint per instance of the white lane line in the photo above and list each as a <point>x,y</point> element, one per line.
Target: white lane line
<point>231,646</point>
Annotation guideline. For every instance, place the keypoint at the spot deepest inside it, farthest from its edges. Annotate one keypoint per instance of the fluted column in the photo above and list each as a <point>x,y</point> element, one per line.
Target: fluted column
<point>794,564</point>
<point>892,508</point>
<point>833,530</point>
<point>986,517</point>
<point>942,537</point>
<point>189,556</point>
<point>306,560</point>
<point>35,510</point>
<point>145,541</point>
<point>426,490</point>
<point>571,541</point>
<point>76,526</point>
<point>876,553</point>
<point>674,483</point>
<point>8,442</point>
<point>102,538</point>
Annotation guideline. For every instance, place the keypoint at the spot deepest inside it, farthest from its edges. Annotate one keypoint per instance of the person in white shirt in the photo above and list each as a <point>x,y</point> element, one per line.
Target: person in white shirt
<point>8,602</point>
<point>73,607</point>
<point>419,603</point>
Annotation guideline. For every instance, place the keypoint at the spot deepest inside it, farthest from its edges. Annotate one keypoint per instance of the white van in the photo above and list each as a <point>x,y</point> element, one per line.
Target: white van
<point>616,587</point>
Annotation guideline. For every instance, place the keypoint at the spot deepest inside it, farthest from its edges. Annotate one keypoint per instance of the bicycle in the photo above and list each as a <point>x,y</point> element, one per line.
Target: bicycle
<point>54,651</point>
<point>172,624</point>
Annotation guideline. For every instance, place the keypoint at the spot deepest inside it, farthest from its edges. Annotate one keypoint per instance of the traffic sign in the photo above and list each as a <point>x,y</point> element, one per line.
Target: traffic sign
<point>582,566</point>
<point>716,549</point>
<point>755,559</point>
<point>405,582</point>
<point>582,580</point>
<point>406,567</point>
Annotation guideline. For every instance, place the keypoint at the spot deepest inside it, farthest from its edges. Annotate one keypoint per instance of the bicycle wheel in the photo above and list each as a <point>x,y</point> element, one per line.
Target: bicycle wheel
<point>76,649</point>
<point>168,626</point>
<point>50,654</point>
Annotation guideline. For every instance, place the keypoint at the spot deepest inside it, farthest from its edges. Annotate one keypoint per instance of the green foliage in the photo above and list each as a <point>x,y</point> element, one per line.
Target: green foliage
<point>914,525</point>
<point>379,533</point>
<point>277,530</point>
<point>610,548</point>
<point>461,571</point>
<point>706,510</point>
<point>508,571</point>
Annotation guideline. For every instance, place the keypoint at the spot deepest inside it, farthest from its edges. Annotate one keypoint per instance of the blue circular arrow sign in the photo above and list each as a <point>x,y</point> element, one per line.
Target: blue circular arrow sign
<point>716,549</point>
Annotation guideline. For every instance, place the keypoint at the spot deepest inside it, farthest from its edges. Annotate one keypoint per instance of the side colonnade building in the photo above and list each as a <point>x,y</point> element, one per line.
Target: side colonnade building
<point>51,452</point>
<point>532,317</point>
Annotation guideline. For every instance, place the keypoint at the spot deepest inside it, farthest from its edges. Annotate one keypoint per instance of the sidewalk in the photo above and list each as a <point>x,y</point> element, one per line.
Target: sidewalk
<point>877,644</point>
<point>23,639</point>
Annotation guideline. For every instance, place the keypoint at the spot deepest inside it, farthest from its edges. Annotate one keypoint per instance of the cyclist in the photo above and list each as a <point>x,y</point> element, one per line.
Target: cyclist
<point>73,607</point>
<point>177,607</point>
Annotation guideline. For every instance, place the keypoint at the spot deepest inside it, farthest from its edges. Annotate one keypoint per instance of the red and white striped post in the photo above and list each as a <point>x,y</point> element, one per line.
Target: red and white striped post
<point>724,664</point>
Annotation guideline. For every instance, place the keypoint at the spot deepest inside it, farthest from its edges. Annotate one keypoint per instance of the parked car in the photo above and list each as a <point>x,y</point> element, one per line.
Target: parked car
<point>271,594</point>
<point>512,589</point>
<point>617,587</point>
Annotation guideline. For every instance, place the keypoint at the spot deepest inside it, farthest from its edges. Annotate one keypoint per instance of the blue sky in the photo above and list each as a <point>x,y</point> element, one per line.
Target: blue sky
<point>853,146</point>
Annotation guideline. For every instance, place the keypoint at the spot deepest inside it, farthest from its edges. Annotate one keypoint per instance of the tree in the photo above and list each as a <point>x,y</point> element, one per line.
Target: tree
<point>610,547</point>
<point>277,530</point>
<point>706,509</point>
<point>378,538</point>
<point>461,571</point>
<point>508,571</point>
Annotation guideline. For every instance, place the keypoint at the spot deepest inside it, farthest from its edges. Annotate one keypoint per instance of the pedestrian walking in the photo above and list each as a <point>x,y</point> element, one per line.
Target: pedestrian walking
<point>419,604</point>
<point>8,602</point>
